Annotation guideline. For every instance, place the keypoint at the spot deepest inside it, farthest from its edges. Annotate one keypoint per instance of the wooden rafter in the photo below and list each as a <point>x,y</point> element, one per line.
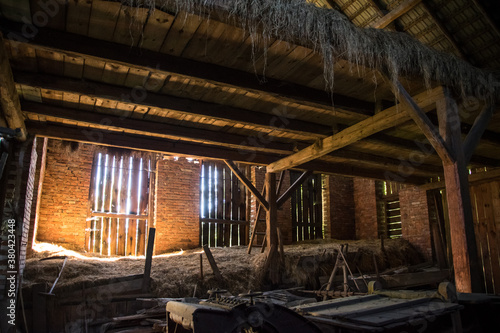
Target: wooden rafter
<point>381,121</point>
<point>400,10</point>
<point>248,184</point>
<point>10,106</point>
<point>485,15</point>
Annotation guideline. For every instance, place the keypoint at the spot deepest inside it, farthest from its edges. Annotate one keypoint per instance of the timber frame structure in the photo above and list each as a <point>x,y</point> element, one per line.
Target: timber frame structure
<point>185,83</point>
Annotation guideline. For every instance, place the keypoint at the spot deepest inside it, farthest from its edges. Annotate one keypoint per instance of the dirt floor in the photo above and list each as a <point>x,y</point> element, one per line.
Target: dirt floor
<point>176,274</point>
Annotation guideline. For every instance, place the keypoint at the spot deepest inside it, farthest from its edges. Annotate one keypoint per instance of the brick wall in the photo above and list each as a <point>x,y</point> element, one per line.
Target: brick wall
<point>177,205</point>
<point>338,207</point>
<point>365,207</point>
<point>64,200</point>
<point>415,219</point>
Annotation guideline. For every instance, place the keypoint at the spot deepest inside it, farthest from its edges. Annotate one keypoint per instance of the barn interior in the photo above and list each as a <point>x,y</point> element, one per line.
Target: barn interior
<point>307,154</point>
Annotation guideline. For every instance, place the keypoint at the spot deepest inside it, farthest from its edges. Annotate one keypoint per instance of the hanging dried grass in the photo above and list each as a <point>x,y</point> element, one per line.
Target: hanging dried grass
<point>332,35</point>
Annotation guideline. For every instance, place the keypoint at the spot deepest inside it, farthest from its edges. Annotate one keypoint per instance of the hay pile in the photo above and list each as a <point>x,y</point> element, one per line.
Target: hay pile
<point>176,274</point>
<point>332,35</point>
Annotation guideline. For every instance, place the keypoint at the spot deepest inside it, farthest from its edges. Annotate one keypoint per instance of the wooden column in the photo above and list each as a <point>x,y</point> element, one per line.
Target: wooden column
<point>271,214</point>
<point>463,242</point>
<point>272,260</point>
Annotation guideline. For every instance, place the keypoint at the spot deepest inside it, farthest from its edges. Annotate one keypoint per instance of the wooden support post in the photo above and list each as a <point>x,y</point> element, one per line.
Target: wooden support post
<point>149,258</point>
<point>463,242</point>
<point>271,225</point>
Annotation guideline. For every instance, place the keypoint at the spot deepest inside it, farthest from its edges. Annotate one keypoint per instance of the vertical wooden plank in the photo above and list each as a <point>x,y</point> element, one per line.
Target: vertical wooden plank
<point>272,260</point>
<point>134,190</point>
<point>124,191</point>
<point>242,230</point>
<point>479,231</point>
<point>131,237</point>
<point>205,227</point>
<point>489,216</point>
<point>107,193</point>
<point>122,235</point>
<point>113,232</point>
<point>300,221</point>
<point>306,209</point>
<point>99,225</point>
<point>211,211</point>
<point>141,238</point>
<point>220,203</point>
<point>235,202</point>
<point>105,250</point>
<point>145,187</point>
<point>227,205</point>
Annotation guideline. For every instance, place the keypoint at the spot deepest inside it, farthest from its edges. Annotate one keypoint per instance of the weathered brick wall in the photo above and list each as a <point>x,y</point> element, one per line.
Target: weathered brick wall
<point>65,194</point>
<point>338,207</point>
<point>415,219</point>
<point>177,205</point>
<point>365,208</point>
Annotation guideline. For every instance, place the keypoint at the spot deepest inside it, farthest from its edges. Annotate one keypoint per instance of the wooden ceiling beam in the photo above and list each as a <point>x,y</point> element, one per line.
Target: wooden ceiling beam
<point>93,122</point>
<point>381,121</point>
<point>400,10</point>
<point>152,128</point>
<point>185,67</point>
<point>139,142</point>
<point>177,104</point>
<point>10,107</point>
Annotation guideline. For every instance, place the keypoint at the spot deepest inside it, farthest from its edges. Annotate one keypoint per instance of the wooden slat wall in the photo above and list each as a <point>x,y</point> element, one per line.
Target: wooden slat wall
<point>223,213</point>
<point>120,185</point>
<point>485,199</point>
<point>307,209</point>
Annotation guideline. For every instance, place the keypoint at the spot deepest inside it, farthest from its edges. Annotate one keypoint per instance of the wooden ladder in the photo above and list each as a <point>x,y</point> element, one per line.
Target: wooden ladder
<point>254,231</point>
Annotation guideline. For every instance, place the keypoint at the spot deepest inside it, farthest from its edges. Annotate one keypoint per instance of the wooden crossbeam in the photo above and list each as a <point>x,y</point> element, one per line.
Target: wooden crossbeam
<point>423,122</point>
<point>288,193</point>
<point>248,184</point>
<point>476,131</point>
<point>150,128</point>
<point>10,106</point>
<point>400,10</point>
<point>383,120</point>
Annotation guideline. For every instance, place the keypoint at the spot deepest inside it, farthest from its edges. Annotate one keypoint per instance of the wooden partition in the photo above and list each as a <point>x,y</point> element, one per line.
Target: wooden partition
<point>223,212</point>
<point>485,199</point>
